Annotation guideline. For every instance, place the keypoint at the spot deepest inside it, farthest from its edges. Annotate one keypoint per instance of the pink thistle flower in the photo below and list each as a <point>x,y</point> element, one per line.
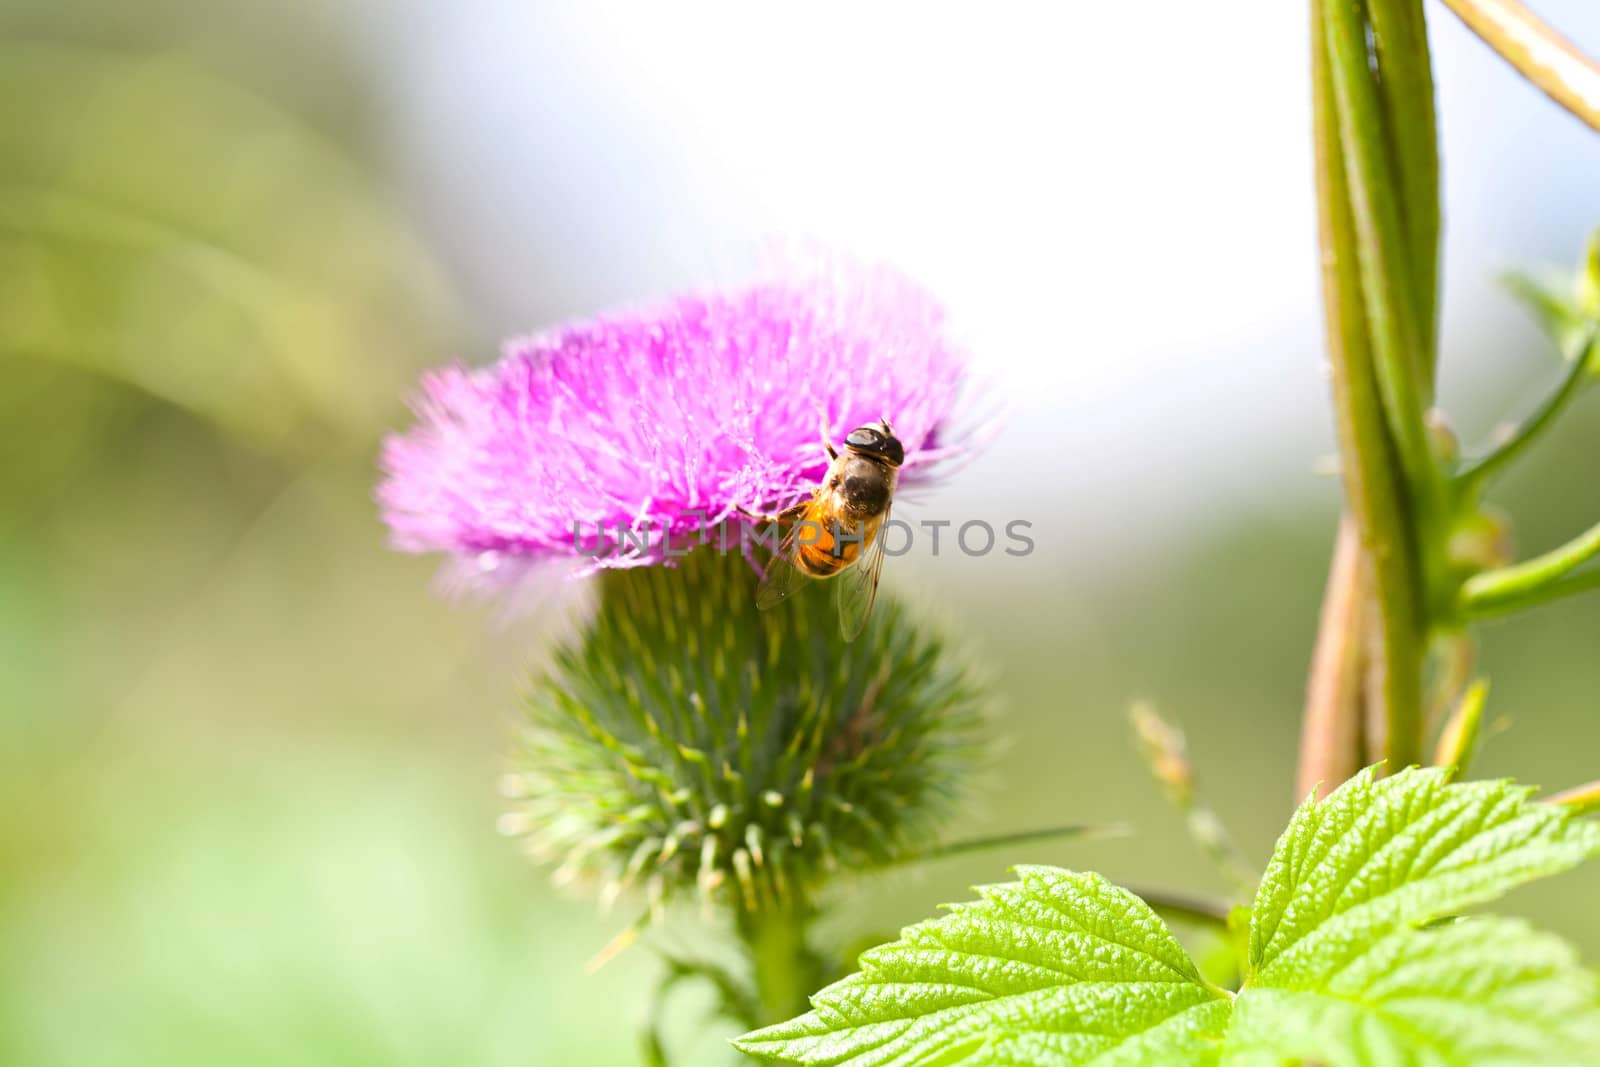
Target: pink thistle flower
<point>700,406</point>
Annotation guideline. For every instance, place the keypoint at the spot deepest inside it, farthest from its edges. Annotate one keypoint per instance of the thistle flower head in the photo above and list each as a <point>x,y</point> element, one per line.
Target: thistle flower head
<point>705,404</point>
<point>686,742</point>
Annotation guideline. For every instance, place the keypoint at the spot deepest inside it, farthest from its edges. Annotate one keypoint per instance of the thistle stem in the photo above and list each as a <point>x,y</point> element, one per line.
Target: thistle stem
<point>1473,476</point>
<point>785,969</point>
<point>1532,581</point>
<point>1537,52</point>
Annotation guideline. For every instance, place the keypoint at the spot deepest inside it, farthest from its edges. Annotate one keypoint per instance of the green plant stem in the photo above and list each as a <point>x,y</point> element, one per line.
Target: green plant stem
<point>1538,53</point>
<point>1460,735</point>
<point>1582,799</point>
<point>1586,581</point>
<point>736,1003</point>
<point>650,1038</point>
<point>1389,283</point>
<point>1472,478</point>
<point>785,969</point>
<point>1533,581</point>
<point>1023,837</point>
<point>1455,656</point>
<point>1400,36</point>
<point>1377,499</point>
<point>1165,751</point>
<point>1197,909</point>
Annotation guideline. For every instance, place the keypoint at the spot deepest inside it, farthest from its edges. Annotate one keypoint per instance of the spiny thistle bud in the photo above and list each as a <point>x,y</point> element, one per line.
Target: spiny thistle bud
<point>686,742</point>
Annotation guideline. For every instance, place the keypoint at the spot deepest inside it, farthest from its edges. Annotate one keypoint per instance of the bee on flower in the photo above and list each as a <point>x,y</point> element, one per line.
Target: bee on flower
<point>705,405</point>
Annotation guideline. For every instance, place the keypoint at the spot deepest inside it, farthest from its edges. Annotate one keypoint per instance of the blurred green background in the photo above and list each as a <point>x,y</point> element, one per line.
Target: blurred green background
<point>247,755</point>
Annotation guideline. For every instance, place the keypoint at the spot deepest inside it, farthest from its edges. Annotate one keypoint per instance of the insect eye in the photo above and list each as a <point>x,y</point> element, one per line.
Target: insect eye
<point>864,438</point>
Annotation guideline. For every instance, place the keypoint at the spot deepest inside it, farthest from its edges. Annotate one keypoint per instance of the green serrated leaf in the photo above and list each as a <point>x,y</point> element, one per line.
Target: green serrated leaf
<point>1059,968</point>
<point>1065,969</point>
<point>1378,855</point>
<point>1477,991</point>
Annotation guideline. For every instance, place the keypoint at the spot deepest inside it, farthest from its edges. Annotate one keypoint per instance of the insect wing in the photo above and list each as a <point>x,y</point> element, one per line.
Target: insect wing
<point>858,586</point>
<point>782,578</point>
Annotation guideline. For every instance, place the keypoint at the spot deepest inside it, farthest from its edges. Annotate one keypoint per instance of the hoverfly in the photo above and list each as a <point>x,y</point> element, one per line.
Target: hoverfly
<point>838,532</point>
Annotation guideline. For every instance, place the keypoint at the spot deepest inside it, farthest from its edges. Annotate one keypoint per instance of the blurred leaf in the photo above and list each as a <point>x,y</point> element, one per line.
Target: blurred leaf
<point>1565,308</point>
<point>1589,279</point>
<point>200,244</point>
<point>1551,306</point>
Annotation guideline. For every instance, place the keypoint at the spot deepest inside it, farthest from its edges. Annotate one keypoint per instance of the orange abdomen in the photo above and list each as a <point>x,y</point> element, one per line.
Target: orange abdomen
<point>820,554</point>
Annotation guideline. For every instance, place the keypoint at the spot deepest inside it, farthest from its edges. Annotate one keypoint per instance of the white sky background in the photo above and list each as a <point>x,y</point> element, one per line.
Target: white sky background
<point>1114,200</point>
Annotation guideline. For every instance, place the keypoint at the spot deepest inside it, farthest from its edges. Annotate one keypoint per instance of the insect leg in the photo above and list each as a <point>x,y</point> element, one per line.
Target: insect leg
<point>822,425</point>
<point>788,514</point>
